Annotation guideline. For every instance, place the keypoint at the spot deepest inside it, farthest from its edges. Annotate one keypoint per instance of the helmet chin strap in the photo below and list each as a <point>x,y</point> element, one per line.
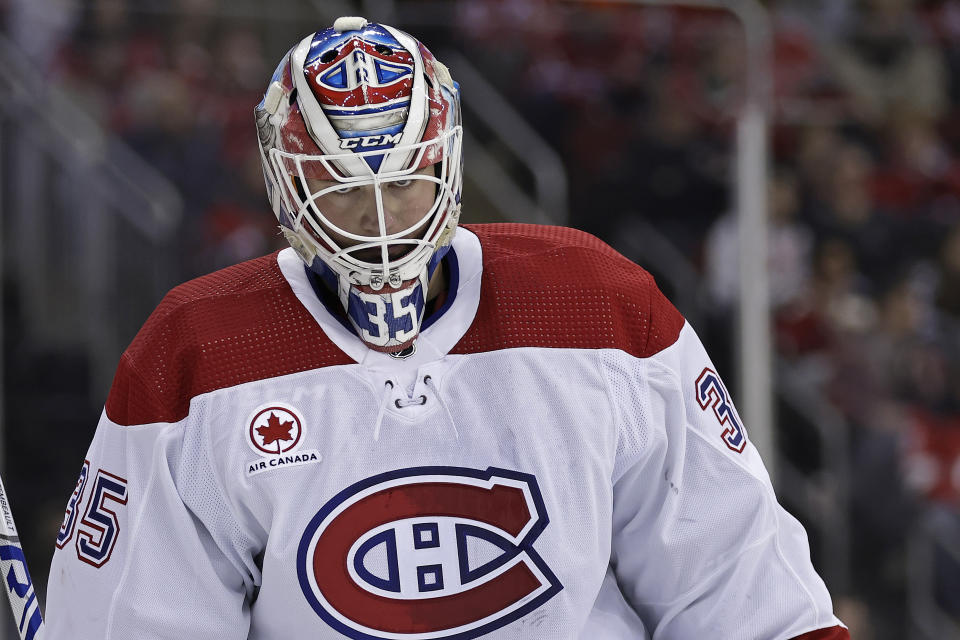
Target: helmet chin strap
<point>387,319</point>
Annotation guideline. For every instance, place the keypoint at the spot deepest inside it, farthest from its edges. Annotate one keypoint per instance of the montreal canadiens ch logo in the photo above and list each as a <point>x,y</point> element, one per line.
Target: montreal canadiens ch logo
<point>427,552</point>
<point>275,429</point>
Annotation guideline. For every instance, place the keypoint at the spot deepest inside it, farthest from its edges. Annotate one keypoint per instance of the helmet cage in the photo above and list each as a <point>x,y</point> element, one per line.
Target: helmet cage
<point>351,169</point>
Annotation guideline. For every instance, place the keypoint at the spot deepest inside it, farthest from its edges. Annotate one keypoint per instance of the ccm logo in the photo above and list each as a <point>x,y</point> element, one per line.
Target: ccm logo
<point>370,141</point>
<point>427,552</point>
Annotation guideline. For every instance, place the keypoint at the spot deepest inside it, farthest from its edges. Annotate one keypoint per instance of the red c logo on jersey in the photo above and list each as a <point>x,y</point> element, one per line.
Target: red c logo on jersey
<point>428,552</point>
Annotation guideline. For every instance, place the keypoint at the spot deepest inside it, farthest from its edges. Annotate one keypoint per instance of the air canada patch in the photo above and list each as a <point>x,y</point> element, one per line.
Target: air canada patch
<point>275,433</point>
<point>427,552</point>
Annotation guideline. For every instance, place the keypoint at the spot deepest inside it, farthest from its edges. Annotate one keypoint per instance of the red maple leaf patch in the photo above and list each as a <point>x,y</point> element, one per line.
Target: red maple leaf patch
<point>275,430</point>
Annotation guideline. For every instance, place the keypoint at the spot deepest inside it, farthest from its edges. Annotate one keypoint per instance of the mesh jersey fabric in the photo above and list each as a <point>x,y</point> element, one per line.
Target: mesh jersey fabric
<point>639,521</point>
<point>562,288</point>
<point>238,324</point>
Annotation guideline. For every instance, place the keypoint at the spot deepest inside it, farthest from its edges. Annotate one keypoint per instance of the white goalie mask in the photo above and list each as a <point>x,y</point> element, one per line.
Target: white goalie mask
<point>360,141</point>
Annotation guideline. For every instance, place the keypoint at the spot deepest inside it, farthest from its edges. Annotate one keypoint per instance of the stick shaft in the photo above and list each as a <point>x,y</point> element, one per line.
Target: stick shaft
<point>15,577</point>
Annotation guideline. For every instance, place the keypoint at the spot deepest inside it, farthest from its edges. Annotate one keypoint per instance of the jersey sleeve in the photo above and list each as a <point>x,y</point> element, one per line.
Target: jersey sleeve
<point>701,547</point>
<point>148,548</point>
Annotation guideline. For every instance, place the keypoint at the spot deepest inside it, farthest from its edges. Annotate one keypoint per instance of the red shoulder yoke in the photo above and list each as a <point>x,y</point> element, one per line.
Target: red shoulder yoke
<point>562,288</point>
<point>236,325</point>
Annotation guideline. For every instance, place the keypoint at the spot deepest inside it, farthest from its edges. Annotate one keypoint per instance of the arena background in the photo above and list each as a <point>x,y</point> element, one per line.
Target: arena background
<point>128,164</point>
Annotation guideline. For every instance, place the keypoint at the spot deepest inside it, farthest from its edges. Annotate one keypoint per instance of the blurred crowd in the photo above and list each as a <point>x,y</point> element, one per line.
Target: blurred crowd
<point>178,83</point>
<point>864,190</point>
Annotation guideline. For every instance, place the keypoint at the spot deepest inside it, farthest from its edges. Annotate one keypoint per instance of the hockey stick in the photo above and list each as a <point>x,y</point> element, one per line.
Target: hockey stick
<point>13,565</point>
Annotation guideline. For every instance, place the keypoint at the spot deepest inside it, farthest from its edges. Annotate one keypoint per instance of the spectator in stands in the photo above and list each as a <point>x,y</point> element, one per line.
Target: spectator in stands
<point>844,208</point>
<point>790,243</point>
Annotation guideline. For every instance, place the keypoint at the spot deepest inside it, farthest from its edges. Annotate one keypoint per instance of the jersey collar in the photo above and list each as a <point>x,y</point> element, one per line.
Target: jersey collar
<point>439,333</point>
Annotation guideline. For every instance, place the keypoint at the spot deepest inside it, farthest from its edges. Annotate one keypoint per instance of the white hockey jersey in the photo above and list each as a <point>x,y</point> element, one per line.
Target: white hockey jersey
<point>558,460</point>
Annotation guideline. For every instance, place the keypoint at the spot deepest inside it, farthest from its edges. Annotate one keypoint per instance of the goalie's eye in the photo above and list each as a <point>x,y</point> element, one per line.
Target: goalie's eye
<point>345,190</point>
<point>402,184</point>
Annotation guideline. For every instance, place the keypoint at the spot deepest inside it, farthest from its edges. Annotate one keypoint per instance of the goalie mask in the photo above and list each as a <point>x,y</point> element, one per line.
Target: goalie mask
<point>360,141</point>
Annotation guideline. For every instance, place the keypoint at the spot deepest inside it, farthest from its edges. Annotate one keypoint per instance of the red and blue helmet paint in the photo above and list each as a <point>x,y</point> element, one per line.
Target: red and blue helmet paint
<point>363,84</point>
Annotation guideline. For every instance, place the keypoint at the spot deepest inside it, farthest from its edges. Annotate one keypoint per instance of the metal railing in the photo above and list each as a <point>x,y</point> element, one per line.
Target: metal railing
<point>512,134</point>
<point>822,497</point>
<point>83,219</point>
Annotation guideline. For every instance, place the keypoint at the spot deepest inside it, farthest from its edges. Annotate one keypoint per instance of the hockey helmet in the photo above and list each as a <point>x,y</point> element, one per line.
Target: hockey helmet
<point>361,145</point>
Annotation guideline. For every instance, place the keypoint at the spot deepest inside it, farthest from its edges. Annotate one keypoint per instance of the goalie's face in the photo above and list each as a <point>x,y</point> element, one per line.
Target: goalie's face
<point>371,226</point>
<point>358,215</point>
